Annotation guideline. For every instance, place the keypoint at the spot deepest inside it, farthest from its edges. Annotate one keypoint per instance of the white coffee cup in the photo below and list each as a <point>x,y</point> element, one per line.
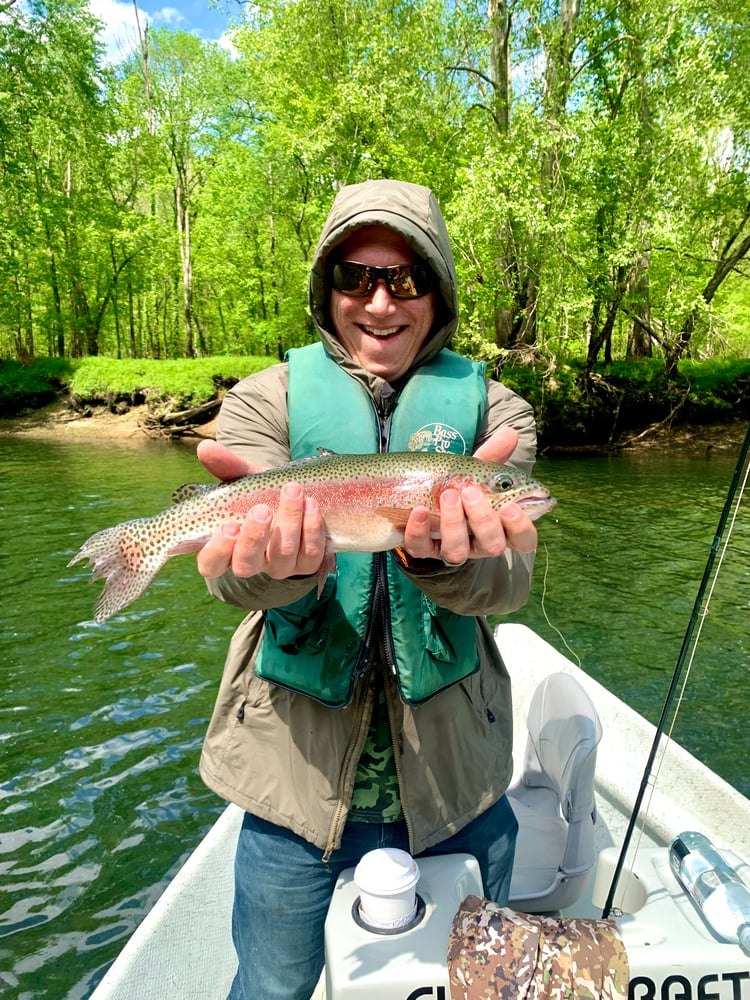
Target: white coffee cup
<point>387,879</point>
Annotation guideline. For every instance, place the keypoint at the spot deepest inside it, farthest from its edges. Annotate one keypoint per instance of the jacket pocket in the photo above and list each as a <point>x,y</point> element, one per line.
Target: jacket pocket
<point>489,693</point>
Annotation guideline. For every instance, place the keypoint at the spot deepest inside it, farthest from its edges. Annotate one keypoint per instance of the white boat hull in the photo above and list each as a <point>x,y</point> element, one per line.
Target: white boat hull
<point>183,948</point>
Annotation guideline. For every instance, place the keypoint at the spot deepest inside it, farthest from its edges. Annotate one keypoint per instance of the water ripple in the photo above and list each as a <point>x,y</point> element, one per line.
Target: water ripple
<point>100,800</point>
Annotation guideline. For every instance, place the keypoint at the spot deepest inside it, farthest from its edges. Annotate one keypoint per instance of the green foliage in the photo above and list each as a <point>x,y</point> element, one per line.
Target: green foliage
<point>570,408</point>
<point>181,383</point>
<point>713,375</point>
<point>715,388</point>
<point>594,175</point>
<point>642,375</point>
<point>565,408</point>
<point>729,332</point>
<point>29,386</point>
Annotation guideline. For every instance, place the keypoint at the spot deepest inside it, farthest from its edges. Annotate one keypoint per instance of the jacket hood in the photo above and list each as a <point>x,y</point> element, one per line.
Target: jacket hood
<point>413,212</point>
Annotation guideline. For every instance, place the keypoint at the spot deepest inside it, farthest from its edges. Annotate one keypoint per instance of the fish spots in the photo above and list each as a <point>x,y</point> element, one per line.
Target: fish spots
<point>131,551</point>
<point>364,499</point>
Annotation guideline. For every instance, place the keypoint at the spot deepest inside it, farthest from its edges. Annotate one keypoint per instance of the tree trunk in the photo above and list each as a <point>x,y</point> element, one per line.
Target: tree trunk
<point>522,262</point>
<point>601,337</point>
<point>131,321</point>
<point>639,341</point>
<point>640,344</point>
<point>272,240</point>
<point>183,236</point>
<point>514,323</point>
<point>500,22</point>
<point>731,256</point>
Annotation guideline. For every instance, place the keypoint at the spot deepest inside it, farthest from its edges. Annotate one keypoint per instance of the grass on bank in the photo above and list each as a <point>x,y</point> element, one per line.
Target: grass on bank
<point>178,383</point>
<point>173,384</point>
<point>617,398</point>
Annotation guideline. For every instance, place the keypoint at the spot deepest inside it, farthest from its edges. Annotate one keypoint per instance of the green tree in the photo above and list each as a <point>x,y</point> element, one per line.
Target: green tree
<point>336,92</point>
<point>52,142</point>
<point>669,182</point>
<point>592,163</point>
<point>187,95</point>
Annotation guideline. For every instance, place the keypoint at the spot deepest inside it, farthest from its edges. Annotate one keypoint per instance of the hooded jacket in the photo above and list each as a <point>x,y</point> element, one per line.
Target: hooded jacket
<point>283,756</point>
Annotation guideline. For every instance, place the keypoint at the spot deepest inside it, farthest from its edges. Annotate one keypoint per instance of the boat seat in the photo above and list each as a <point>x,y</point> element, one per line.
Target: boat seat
<point>553,798</point>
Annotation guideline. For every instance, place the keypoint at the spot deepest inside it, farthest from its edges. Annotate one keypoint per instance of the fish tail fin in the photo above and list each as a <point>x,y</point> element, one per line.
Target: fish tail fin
<point>327,566</point>
<point>125,561</point>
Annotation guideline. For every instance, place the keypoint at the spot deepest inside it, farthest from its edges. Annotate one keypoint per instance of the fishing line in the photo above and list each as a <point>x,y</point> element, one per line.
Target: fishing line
<point>682,658</point>
<point>704,614</point>
<point>654,779</point>
<point>544,609</point>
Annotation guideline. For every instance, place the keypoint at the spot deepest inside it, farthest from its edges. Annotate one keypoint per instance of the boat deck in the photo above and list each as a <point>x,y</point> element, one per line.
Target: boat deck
<point>183,948</point>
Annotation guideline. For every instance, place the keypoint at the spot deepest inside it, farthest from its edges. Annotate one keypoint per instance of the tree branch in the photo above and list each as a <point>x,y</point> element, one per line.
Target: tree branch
<point>475,72</point>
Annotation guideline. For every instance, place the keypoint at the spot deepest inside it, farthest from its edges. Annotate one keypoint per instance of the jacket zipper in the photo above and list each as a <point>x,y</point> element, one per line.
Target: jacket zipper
<point>342,804</point>
<point>365,661</point>
<point>377,614</point>
<point>396,752</point>
<point>378,638</point>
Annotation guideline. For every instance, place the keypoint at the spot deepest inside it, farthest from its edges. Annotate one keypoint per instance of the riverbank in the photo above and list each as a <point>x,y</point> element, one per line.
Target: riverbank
<point>58,421</point>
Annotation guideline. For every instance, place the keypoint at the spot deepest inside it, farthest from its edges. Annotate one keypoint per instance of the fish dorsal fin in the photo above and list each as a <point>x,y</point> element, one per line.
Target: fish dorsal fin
<point>398,516</point>
<point>321,453</point>
<point>189,490</point>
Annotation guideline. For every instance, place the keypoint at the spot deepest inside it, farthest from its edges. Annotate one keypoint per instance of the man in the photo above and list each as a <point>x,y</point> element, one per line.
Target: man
<point>377,713</point>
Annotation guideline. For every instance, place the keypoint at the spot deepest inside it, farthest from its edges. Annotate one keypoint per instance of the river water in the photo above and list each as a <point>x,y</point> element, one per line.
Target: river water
<point>100,801</point>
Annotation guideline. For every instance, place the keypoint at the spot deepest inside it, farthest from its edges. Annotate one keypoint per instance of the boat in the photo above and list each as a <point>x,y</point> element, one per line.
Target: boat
<point>183,948</point>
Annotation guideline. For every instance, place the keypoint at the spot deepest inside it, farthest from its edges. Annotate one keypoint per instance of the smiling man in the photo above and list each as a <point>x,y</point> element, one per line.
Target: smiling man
<point>377,325</point>
<point>376,713</point>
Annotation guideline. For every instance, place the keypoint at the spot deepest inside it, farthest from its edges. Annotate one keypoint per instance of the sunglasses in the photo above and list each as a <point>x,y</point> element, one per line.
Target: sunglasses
<point>403,281</point>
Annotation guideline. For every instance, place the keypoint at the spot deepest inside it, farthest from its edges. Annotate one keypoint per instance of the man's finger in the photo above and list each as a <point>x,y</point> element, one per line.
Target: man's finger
<point>249,555</point>
<point>313,541</point>
<point>283,546</point>
<point>486,527</point>
<point>519,529</point>
<point>500,446</point>
<point>223,463</point>
<point>417,541</point>
<point>215,558</point>
<point>454,534</point>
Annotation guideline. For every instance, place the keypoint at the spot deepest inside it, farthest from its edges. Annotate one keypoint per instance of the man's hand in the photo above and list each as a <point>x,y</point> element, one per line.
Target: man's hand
<point>289,542</point>
<point>223,463</point>
<point>469,527</point>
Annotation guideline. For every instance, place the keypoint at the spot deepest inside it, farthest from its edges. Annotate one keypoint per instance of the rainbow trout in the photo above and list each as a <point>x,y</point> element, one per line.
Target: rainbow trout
<point>365,501</point>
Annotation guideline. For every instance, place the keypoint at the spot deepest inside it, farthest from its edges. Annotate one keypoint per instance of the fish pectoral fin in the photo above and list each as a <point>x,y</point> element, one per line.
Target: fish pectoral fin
<point>187,546</point>
<point>189,490</point>
<point>398,516</point>
<point>327,566</point>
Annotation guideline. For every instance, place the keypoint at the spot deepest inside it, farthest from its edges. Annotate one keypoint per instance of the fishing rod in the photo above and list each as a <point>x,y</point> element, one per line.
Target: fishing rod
<point>679,667</point>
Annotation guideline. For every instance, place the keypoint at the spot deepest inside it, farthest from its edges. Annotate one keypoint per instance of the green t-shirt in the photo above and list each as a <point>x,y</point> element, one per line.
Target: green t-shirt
<point>376,797</point>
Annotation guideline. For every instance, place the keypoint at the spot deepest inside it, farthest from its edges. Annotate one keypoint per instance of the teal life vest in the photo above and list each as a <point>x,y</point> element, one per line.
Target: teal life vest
<point>319,646</point>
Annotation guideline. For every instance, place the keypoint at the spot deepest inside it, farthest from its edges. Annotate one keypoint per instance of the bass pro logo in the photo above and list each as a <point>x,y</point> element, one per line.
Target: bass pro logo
<point>438,437</point>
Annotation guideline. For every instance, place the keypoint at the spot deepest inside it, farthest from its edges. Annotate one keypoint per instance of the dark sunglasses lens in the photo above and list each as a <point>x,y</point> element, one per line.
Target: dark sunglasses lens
<point>404,281</point>
<point>351,279</point>
<point>411,281</point>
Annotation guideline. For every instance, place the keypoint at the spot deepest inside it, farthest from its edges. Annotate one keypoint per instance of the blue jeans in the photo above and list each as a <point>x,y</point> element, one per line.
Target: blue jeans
<point>283,890</point>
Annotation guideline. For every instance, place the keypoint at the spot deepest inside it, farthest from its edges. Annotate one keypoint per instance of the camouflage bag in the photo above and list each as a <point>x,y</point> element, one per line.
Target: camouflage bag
<point>495,952</point>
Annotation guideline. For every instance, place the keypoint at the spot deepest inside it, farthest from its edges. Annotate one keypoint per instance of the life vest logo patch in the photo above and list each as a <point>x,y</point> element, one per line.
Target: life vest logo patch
<point>438,437</point>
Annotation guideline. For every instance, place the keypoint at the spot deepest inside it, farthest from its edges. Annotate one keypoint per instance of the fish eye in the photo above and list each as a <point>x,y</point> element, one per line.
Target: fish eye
<point>503,482</point>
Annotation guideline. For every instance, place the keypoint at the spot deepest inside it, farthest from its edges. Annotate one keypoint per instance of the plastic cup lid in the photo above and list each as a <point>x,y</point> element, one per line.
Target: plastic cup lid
<point>386,871</point>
